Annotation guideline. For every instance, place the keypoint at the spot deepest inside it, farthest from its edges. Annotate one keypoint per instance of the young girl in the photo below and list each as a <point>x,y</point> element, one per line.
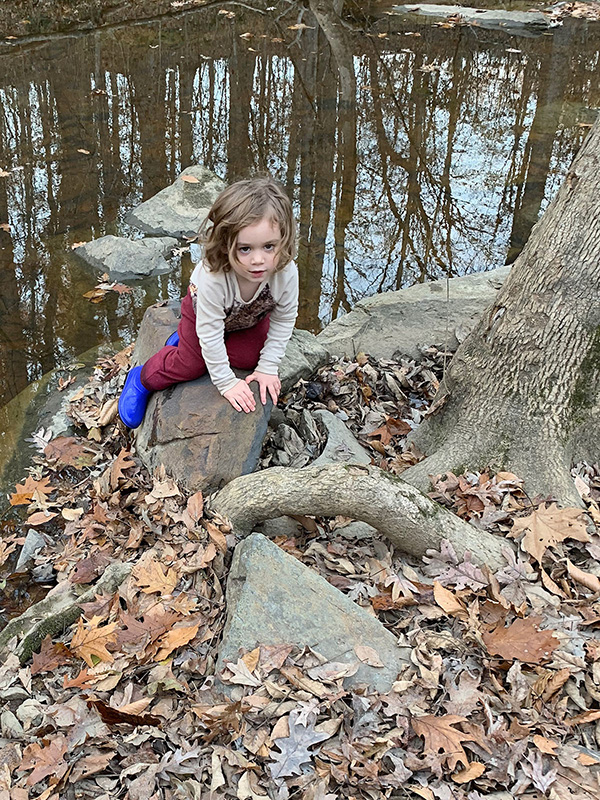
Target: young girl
<point>241,304</point>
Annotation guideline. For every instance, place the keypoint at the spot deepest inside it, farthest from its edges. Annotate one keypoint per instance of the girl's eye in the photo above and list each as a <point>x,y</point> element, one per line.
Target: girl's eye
<point>269,247</point>
<point>244,249</point>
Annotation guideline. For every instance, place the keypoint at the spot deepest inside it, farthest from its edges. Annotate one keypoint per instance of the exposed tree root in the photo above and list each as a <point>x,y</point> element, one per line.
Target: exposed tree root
<point>410,520</point>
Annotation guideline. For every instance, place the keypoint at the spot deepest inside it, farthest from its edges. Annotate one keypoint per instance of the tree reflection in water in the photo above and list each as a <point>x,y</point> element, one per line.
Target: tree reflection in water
<point>410,153</point>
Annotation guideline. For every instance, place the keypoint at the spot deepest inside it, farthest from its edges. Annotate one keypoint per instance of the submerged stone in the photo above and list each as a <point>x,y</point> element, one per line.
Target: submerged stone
<point>179,209</point>
<point>125,259</point>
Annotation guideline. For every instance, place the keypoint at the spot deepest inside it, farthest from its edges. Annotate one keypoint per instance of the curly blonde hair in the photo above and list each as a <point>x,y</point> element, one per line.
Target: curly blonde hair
<point>245,203</point>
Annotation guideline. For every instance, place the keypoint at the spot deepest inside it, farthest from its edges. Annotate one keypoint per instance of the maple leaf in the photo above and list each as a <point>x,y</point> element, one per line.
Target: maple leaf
<point>150,577</point>
<point>90,643</point>
<point>439,735</point>
<point>294,750</point>
<point>45,761</point>
<point>522,640</point>
<point>546,527</point>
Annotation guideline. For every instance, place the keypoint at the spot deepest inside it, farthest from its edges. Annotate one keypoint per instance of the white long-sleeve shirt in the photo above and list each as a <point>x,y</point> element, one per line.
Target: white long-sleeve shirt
<point>220,308</point>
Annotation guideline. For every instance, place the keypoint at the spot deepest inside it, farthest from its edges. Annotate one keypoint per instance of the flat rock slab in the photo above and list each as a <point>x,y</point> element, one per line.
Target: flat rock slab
<point>494,19</point>
<point>179,209</point>
<point>341,446</point>
<point>272,598</point>
<point>407,320</point>
<point>127,259</point>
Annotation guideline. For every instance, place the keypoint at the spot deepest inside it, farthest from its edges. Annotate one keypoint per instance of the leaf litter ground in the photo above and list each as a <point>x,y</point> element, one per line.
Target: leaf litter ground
<point>502,696</point>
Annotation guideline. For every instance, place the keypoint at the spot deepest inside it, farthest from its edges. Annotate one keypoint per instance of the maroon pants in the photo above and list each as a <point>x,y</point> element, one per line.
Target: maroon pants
<point>185,362</point>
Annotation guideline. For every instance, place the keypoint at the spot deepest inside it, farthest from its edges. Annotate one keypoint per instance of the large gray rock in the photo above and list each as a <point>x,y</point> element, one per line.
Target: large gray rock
<point>412,318</point>
<point>341,446</point>
<point>303,355</point>
<point>272,598</point>
<point>522,22</point>
<point>179,209</point>
<point>190,428</point>
<point>125,259</point>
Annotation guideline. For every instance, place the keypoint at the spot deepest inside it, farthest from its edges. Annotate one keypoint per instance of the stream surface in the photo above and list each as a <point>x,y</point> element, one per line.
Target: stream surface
<point>418,151</point>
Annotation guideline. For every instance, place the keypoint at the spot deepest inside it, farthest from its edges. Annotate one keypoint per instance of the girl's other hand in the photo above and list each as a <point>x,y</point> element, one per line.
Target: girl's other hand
<point>266,383</point>
<point>241,398</point>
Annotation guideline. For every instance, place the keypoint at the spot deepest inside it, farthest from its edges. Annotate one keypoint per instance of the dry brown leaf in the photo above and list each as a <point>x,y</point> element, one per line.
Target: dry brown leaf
<point>40,518</point>
<point>90,643</point>
<point>175,638</point>
<point>368,656</point>
<point>195,506</point>
<point>522,640</point>
<point>545,745</point>
<point>122,462</point>
<point>586,579</point>
<point>251,659</point>
<point>150,577</point>
<point>50,656</point>
<point>217,536</point>
<point>26,492</point>
<point>474,770</point>
<point>441,737</point>
<point>449,601</point>
<point>189,179</point>
<point>546,527</point>
<point>46,760</point>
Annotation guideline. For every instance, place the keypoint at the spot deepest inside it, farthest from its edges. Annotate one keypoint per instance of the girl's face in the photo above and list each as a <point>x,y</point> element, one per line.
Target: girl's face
<point>257,251</point>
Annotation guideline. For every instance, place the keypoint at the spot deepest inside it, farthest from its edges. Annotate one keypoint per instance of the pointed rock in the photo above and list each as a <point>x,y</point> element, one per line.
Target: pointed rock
<point>272,598</point>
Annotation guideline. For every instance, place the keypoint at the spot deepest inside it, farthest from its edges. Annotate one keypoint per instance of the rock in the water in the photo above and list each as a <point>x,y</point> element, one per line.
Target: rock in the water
<point>521,22</point>
<point>412,318</point>
<point>272,598</point>
<point>179,209</point>
<point>201,440</point>
<point>303,355</point>
<point>127,259</point>
<point>341,444</point>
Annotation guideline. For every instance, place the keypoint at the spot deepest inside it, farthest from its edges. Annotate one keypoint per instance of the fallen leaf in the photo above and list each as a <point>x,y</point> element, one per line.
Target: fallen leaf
<point>368,656</point>
<point>50,656</point>
<point>189,179</point>
<point>546,527</point>
<point>175,638</point>
<point>586,579</point>
<point>40,518</point>
<point>441,737</point>
<point>45,760</point>
<point>90,643</point>
<point>150,577</point>
<point>449,601</point>
<point>474,770</point>
<point>195,506</point>
<point>122,462</point>
<point>545,745</point>
<point>294,752</point>
<point>522,640</point>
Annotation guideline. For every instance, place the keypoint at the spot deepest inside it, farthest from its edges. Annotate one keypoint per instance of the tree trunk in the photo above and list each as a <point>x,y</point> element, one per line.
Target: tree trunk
<point>522,391</point>
<point>411,522</point>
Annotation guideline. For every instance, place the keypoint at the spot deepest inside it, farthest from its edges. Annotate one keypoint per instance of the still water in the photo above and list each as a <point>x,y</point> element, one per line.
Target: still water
<point>416,151</point>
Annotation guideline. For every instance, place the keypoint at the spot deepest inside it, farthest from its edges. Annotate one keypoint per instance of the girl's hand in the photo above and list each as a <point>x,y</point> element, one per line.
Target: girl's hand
<point>270,383</point>
<point>241,398</point>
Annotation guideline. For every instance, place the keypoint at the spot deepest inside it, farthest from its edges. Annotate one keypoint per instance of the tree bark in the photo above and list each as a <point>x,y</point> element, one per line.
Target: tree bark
<point>409,519</point>
<point>522,391</point>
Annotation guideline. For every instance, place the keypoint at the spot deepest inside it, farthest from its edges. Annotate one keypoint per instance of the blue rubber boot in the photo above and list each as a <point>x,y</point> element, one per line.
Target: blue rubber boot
<point>173,340</point>
<point>133,399</point>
